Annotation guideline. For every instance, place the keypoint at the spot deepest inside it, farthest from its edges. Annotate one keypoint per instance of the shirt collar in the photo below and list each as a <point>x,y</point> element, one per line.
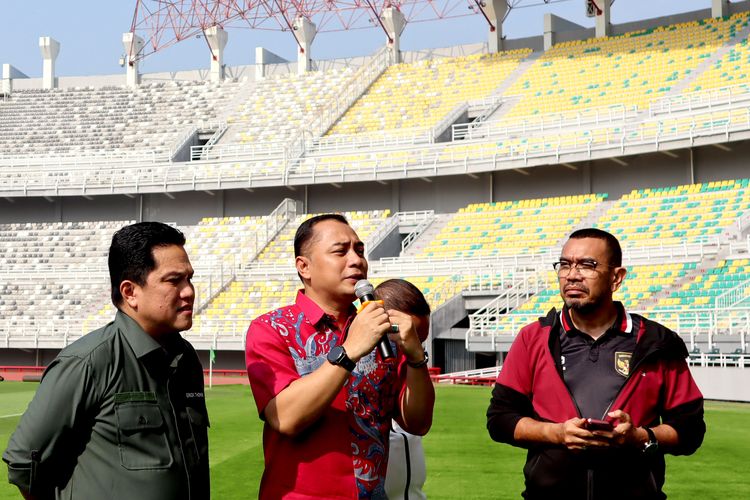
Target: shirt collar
<point>312,311</point>
<point>623,323</point>
<point>141,342</point>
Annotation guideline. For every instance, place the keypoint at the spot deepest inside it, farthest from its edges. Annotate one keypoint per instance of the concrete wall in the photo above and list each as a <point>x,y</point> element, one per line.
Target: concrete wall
<point>724,384</point>
<point>389,247</point>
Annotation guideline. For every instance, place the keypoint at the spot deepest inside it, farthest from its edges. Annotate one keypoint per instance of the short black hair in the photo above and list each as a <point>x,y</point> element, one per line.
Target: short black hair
<point>305,231</point>
<point>403,296</point>
<point>615,251</point>
<point>131,254</point>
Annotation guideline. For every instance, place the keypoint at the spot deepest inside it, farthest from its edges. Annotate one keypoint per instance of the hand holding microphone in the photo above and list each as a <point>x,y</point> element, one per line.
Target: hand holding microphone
<point>365,292</point>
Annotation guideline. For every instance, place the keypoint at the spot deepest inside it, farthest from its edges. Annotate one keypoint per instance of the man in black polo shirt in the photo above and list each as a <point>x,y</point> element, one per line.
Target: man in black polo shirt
<point>596,394</point>
<point>120,413</point>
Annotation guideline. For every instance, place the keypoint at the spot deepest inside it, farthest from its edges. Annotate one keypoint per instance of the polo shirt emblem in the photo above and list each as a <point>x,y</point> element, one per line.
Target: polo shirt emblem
<point>622,363</point>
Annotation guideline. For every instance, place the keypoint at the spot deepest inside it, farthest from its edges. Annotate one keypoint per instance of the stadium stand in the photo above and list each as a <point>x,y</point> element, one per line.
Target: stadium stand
<point>418,95</point>
<point>510,227</point>
<point>280,106</point>
<point>87,120</point>
<point>687,243</point>
<point>630,69</point>
<point>674,215</point>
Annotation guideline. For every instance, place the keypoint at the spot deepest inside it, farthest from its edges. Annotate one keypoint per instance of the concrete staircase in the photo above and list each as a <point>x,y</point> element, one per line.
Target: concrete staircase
<point>510,101</point>
<point>424,239</point>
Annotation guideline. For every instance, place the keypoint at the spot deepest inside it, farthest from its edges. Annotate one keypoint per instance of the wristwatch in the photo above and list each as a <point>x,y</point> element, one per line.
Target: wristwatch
<point>337,356</point>
<point>652,446</point>
<point>419,364</point>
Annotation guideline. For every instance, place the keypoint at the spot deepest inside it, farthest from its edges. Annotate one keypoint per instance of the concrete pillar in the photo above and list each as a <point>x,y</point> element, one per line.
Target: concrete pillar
<point>50,48</point>
<point>553,25</point>
<point>133,45</point>
<point>495,11</point>
<point>603,27</point>
<point>394,22</point>
<point>304,32</point>
<point>719,8</point>
<point>217,40</point>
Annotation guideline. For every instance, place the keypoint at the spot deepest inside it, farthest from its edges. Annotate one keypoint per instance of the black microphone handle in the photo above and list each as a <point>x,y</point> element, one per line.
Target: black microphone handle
<point>384,346</point>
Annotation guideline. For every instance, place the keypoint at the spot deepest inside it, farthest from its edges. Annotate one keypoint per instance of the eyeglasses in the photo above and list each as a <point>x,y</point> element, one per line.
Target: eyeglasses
<point>587,267</point>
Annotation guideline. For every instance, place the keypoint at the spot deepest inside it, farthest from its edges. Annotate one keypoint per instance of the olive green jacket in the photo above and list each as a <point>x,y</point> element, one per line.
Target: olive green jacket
<point>116,416</point>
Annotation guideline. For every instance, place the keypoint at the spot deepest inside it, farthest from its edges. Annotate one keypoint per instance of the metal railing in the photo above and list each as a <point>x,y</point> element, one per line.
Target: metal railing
<point>421,228</point>
<point>720,360</point>
<point>546,123</point>
<point>701,100</point>
<point>691,323</point>
<point>85,176</point>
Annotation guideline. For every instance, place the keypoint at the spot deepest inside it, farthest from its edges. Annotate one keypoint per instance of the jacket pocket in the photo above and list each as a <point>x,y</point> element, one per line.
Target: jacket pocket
<point>199,425</point>
<point>142,437</point>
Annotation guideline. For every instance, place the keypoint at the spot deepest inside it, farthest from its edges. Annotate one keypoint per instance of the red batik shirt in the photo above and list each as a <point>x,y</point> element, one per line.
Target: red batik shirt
<point>345,453</point>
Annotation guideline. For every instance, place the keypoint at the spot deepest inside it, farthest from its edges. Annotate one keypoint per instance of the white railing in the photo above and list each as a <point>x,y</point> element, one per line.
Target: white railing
<point>701,100</point>
<point>382,231</point>
<point>522,286</point>
<point>348,95</point>
<point>377,139</point>
<point>546,123</point>
<point>733,296</point>
<point>60,179</point>
<point>467,374</point>
<point>449,119</point>
<point>421,227</point>
<point>234,152</point>
<point>188,134</point>
<point>688,322</point>
<point>86,160</point>
<point>719,360</point>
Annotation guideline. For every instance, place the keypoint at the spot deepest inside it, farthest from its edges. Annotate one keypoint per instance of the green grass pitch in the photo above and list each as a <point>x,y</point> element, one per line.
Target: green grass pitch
<point>462,462</point>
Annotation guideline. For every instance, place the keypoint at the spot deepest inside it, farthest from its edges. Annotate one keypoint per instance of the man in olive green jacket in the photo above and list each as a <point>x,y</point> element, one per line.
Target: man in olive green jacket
<point>120,413</point>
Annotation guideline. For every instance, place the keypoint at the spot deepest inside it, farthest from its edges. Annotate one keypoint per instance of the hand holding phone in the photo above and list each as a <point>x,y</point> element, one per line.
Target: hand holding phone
<point>594,424</point>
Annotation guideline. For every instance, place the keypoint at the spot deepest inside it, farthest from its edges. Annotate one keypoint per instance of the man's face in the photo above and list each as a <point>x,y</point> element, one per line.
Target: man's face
<point>333,261</point>
<point>586,291</point>
<point>164,304</point>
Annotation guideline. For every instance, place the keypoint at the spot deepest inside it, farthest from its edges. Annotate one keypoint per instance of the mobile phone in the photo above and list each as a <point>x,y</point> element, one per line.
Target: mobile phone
<point>594,424</point>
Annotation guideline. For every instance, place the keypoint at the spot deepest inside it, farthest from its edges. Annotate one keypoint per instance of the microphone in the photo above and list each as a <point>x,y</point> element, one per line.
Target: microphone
<point>365,292</point>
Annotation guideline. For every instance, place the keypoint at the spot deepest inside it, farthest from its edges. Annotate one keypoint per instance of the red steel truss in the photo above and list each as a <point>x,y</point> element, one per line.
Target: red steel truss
<point>162,23</point>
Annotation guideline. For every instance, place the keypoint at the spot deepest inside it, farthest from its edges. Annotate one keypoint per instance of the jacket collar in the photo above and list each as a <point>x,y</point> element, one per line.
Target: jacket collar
<point>141,342</point>
<point>652,338</point>
<point>623,323</point>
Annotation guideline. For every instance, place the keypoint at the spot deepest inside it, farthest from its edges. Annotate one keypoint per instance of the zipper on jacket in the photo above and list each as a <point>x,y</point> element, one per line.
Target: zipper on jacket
<point>624,384</point>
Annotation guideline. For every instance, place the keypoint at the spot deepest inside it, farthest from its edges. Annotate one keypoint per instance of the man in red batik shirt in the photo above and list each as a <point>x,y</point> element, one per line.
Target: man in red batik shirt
<point>325,393</point>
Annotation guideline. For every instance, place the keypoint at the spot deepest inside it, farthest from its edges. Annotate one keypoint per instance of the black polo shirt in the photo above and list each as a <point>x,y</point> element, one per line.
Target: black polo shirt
<point>596,370</point>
